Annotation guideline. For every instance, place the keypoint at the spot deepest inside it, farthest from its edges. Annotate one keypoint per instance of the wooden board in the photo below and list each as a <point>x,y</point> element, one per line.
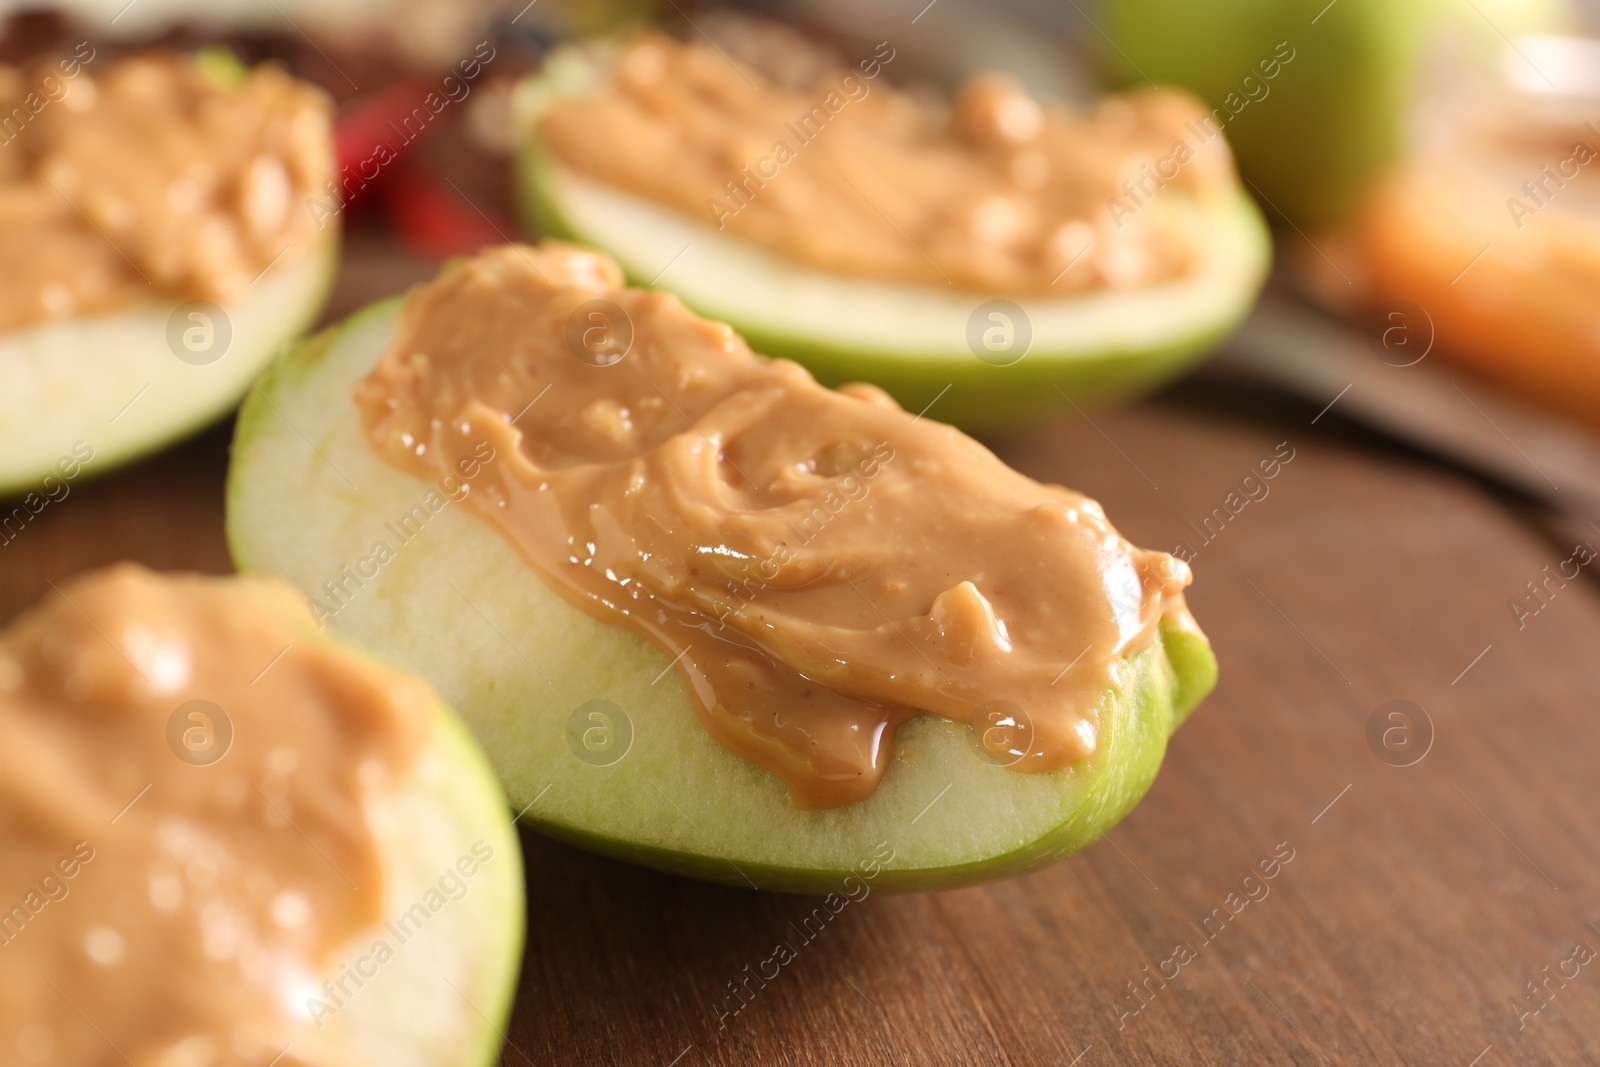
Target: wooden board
<point>1418,900</point>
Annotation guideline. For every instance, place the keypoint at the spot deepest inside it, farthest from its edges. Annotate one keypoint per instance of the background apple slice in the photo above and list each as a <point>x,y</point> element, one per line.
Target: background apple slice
<point>123,384</point>
<point>444,997</point>
<point>393,565</point>
<point>429,983</point>
<point>910,339</point>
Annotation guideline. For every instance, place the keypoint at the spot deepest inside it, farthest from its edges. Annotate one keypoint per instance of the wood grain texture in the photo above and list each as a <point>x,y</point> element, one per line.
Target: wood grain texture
<point>1418,901</point>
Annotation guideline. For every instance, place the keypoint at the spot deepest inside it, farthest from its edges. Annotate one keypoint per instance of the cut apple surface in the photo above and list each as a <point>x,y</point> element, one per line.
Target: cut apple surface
<point>120,385</point>
<point>589,727</point>
<point>320,861</point>
<point>912,339</point>
<point>442,998</point>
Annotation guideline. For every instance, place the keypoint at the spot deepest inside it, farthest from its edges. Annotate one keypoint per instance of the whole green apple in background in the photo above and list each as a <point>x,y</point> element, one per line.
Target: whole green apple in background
<point>1309,137</point>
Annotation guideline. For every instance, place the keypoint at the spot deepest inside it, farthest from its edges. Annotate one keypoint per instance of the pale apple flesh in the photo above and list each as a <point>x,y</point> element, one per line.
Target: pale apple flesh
<point>390,562</point>
<point>911,339</point>
<point>89,393</point>
<point>432,984</point>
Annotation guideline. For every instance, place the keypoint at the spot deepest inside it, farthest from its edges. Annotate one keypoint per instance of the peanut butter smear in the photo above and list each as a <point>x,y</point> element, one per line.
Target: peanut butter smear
<point>174,875</point>
<point>819,564</point>
<point>995,191</point>
<point>152,178</point>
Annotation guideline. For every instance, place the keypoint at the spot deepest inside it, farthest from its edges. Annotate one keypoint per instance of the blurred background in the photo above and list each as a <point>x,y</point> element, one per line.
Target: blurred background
<point>1424,165</point>
<point>1427,349</point>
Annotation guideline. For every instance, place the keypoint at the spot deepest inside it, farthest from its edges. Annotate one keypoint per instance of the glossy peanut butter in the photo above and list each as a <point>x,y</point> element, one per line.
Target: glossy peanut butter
<point>151,178</point>
<point>994,191</point>
<point>163,907</point>
<point>819,564</point>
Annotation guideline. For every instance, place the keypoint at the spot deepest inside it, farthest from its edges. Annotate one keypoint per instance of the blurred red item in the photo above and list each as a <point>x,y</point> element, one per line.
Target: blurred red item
<point>435,217</point>
<point>377,146</point>
<point>370,140</point>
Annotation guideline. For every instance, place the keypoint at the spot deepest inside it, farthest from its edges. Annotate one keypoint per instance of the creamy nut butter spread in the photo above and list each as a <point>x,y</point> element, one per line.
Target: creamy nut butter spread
<point>819,564</point>
<point>164,907</point>
<point>152,178</point>
<point>995,191</point>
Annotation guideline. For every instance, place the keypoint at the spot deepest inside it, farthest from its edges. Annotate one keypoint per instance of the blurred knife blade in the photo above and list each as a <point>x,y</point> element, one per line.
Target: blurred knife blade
<point>1426,404</point>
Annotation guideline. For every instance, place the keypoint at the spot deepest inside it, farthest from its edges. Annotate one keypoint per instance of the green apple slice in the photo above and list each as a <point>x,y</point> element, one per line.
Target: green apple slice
<point>388,561</point>
<point>428,984</point>
<point>911,339</point>
<point>438,993</point>
<point>115,387</point>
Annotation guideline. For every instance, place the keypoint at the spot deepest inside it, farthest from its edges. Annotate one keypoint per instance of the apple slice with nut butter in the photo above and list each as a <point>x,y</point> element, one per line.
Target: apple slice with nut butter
<point>230,840</point>
<point>157,248</point>
<point>705,613</point>
<point>997,254</point>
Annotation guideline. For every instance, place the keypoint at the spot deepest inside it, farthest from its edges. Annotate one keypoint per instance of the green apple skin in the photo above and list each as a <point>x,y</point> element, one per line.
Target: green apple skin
<point>174,407</point>
<point>965,391</point>
<point>479,937</point>
<point>459,607</point>
<point>1330,119</point>
<point>505,925</point>
<point>569,19</point>
<point>443,805</point>
<point>1172,679</point>
<point>1058,371</point>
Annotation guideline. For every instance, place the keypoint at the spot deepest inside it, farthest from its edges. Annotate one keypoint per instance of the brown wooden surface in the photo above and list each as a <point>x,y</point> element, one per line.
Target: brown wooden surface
<point>1403,930</point>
